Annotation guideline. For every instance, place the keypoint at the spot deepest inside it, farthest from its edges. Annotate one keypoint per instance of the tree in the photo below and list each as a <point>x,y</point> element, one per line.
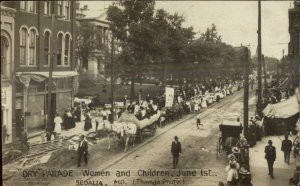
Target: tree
<point>130,24</point>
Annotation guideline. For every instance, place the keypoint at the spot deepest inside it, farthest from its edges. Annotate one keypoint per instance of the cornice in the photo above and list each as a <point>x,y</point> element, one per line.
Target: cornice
<point>6,11</point>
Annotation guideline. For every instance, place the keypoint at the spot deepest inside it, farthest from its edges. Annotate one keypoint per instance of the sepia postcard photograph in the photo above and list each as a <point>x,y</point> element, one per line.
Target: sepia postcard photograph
<point>150,93</point>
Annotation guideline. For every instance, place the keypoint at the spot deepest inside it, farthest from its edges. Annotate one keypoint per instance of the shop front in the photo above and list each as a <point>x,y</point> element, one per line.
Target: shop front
<point>33,98</point>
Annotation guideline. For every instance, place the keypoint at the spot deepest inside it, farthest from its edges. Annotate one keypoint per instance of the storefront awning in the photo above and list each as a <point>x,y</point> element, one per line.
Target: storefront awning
<point>26,77</point>
<point>284,109</point>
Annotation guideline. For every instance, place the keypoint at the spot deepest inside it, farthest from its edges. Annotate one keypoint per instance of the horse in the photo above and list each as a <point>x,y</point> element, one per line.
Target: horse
<point>130,130</point>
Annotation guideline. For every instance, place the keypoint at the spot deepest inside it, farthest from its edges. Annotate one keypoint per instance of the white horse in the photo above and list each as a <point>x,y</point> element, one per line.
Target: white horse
<point>130,130</point>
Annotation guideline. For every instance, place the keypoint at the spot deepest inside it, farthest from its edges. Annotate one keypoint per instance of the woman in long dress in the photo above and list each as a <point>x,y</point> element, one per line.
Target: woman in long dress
<point>57,128</point>
<point>87,122</point>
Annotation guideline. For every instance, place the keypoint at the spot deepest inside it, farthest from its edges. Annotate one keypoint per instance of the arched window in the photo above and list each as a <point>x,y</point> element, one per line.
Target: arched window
<point>59,49</point>
<point>47,48</point>
<point>67,49</point>
<point>32,47</point>
<point>23,43</point>
<point>4,58</point>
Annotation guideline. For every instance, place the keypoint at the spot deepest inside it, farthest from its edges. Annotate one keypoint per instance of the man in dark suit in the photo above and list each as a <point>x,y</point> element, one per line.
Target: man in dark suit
<point>82,150</point>
<point>176,150</point>
<point>286,147</point>
<point>270,156</point>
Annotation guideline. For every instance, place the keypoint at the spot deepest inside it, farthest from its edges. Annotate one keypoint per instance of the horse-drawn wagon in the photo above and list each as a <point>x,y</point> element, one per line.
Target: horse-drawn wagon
<point>147,125</point>
<point>230,131</point>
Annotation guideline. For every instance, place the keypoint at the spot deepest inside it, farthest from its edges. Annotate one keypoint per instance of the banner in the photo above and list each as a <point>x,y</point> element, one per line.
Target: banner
<point>169,97</point>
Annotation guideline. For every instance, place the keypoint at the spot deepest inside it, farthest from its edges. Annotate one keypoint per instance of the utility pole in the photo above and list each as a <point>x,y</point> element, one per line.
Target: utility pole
<point>112,79</point>
<point>259,92</point>
<point>246,57</point>
<point>265,73</point>
<point>50,82</point>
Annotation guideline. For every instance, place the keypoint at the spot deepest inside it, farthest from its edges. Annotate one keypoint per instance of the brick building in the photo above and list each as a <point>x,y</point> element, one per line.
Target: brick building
<point>294,44</point>
<point>45,32</point>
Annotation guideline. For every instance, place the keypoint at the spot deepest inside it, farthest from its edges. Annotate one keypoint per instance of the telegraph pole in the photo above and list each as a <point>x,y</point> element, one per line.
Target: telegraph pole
<point>112,79</point>
<point>50,82</point>
<point>259,92</point>
<point>265,73</point>
<point>246,57</point>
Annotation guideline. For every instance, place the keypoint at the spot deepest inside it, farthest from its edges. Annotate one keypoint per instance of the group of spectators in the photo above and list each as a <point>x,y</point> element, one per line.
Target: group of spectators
<point>238,173</point>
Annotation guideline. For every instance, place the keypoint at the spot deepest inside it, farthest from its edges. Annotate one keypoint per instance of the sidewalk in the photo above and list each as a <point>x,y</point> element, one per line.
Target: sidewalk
<point>67,133</point>
<point>259,168</point>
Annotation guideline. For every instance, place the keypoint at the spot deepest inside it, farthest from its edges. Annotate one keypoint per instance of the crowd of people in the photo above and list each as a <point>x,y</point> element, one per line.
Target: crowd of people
<point>238,170</point>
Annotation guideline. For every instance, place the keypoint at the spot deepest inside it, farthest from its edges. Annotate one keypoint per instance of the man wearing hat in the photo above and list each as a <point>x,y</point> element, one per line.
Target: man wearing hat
<point>270,156</point>
<point>286,147</point>
<point>176,150</point>
<point>82,150</point>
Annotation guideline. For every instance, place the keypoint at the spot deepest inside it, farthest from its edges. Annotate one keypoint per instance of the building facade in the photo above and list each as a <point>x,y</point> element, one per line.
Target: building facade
<point>294,44</point>
<point>7,71</point>
<point>43,42</point>
<point>97,57</point>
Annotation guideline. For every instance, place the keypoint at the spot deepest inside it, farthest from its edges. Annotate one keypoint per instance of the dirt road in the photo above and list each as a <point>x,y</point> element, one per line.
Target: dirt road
<point>198,163</point>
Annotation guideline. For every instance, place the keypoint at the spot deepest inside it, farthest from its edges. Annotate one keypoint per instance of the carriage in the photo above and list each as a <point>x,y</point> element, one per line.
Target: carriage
<point>147,125</point>
<point>230,131</point>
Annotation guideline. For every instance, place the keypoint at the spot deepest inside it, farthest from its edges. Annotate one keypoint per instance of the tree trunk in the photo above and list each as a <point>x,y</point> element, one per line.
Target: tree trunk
<point>132,86</point>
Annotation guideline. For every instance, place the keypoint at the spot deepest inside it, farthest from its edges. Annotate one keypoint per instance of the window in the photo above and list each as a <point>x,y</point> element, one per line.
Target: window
<point>47,8</point>
<point>4,59</point>
<point>22,5</point>
<point>60,8</point>
<point>67,10</point>
<point>47,48</point>
<point>67,49</point>
<point>29,6</point>
<point>23,41</point>
<point>59,49</point>
<point>32,48</point>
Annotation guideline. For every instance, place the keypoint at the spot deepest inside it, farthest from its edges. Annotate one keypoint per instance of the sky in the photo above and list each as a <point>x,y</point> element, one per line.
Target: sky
<point>236,21</point>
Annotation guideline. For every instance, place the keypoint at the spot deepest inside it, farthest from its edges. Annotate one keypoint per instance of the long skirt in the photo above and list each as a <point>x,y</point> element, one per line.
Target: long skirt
<point>87,125</point>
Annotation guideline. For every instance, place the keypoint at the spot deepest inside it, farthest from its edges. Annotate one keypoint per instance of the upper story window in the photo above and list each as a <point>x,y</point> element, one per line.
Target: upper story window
<point>29,6</point>
<point>47,47</point>
<point>67,50</point>
<point>23,46</point>
<point>63,9</point>
<point>67,10</point>
<point>47,7</point>
<point>59,48</point>
<point>63,49</point>
<point>60,8</point>
<point>4,56</point>
<point>28,46</point>
<point>32,48</point>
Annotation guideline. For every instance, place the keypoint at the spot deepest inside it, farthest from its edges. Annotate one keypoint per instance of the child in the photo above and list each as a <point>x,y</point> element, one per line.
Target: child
<point>198,122</point>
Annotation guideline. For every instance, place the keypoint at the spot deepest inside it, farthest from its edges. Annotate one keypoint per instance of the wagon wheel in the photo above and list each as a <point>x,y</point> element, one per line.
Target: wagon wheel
<point>141,135</point>
<point>153,130</point>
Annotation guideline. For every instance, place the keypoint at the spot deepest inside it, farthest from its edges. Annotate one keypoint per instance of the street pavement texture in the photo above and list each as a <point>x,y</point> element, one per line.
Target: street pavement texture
<point>199,153</point>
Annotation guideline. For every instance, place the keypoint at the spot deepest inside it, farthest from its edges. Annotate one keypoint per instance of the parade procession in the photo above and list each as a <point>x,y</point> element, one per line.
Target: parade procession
<point>146,93</point>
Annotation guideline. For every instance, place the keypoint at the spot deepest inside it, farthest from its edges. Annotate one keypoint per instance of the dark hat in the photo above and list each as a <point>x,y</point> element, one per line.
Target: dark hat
<point>176,137</point>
